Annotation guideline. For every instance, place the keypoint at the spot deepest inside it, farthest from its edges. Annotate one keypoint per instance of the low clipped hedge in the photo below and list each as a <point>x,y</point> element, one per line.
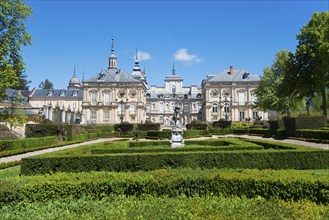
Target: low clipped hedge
<point>124,127</point>
<point>6,145</point>
<point>148,127</point>
<point>316,134</point>
<point>270,159</point>
<point>196,126</point>
<point>159,134</point>
<point>286,185</point>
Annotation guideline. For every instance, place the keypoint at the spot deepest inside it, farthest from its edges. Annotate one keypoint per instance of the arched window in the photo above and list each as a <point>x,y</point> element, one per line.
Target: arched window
<point>132,108</point>
<point>173,89</point>
<point>161,107</point>
<point>214,108</point>
<point>106,98</point>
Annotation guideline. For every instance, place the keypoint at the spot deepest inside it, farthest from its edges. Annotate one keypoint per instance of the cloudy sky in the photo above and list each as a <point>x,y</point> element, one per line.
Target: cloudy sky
<point>200,37</point>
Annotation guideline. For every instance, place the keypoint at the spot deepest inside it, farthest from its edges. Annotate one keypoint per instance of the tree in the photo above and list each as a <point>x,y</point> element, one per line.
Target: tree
<point>270,92</point>
<point>312,58</point>
<point>46,85</point>
<point>13,114</point>
<point>13,35</point>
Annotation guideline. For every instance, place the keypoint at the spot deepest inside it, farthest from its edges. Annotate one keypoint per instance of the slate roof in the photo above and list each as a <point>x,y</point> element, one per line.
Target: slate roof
<point>112,75</point>
<point>56,93</point>
<point>237,76</point>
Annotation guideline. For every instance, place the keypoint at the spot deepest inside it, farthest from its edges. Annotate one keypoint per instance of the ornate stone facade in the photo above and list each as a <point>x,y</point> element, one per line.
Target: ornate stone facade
<point>113,96</point>
<point>229,95</point>
<point>161,101</point>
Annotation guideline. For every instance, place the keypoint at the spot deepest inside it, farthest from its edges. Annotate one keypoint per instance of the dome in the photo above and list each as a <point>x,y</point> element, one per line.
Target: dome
<point>74,80</point>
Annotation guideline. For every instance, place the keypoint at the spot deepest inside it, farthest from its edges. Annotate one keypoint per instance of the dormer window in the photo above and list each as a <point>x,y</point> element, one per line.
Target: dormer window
<point>75,93</point>
<point>62,93</point>
<point>173,89</point>
<point>101,76</point>
<point>50,93</point>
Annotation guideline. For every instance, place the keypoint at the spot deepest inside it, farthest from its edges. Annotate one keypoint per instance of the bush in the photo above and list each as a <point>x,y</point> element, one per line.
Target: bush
<point>196,126</point>
<point>269,184</point>
<point>124,127</point>
<point>6,145</point>
<point>219,131</point>
<point>159,134</point>
<point>148,127</point>
<point>316,134</point>
<point>222,124</point>
<point>270,159</point>
<point>292,124</point>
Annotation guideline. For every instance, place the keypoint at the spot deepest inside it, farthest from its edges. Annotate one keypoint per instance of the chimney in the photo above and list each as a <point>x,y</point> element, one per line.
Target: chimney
<point>231,70</point>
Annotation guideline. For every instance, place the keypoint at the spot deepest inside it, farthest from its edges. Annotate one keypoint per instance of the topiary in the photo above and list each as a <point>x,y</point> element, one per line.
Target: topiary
<point>46,121</point>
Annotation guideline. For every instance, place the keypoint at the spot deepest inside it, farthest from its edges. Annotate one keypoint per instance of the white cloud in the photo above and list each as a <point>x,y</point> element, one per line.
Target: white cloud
<point>143,55</point>
<point>183,56</point>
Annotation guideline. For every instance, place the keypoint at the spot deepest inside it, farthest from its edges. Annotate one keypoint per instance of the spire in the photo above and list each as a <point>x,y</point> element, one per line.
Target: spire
<point>173,68</point>
<point>74,71</point>
<point>112,58</point>
<point>136,69</point>
<point>112,48</point>
<point>83,74</point>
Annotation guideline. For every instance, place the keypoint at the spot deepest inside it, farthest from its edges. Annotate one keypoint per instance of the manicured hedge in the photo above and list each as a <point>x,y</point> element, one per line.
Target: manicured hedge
<point>269,159</point>
<point>6,145</point>
<point>178,149</point>
<point>124,127</point>
<point>197,127</point>
<point>148,127</point>
<point>219,131</point>
<point>159,134</point>
<point>285,185</point>
<point>222,124</point>
<point>316,134</point>
<point>291,124</point>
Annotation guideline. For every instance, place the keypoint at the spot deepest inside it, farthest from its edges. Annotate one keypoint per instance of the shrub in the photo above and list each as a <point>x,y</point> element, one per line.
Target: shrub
<point>222,124</point>
<point>6,145</point>
<point>291,124</point>
<point>316,134</point>
<point>124,127</point>
<point>270,159</point>
<point>197,127</point>
<point>269,184</point>
<point>159,134</point>
<point>219,131</point>
<point>148,126</point>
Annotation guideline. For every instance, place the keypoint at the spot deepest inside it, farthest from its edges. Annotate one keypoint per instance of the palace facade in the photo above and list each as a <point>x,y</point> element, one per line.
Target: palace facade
<point>230,95</point>
<point>113,96</point>
<point>161,101</point>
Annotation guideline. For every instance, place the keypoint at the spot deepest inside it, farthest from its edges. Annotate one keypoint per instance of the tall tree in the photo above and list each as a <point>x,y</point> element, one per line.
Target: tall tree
<point>46,85</point>
<point>312,58</point>
<point>13,35</point>
<point>270,92</point>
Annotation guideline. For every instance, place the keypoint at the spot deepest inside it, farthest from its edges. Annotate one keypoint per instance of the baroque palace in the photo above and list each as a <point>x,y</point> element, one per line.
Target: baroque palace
<point>114,96</point>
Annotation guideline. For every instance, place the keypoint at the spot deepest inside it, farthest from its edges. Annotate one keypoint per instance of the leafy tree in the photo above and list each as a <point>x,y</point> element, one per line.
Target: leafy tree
<point>270,92</point>
<point>46,85</point>
<point>312,58</point>
<point>13,35</point>
<point>13,114</point>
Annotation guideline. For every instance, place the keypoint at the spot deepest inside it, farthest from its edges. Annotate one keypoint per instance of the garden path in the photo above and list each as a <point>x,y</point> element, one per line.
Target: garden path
<point>49,150</point>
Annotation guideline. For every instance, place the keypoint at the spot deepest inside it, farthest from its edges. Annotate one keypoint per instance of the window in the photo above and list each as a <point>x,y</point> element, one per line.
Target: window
<point>214,108</point>
<point>227,109</point>
<point>74,106</point>
<point>241,116</point>
<point>50,93</point>
<point>62,93</point>
<point>153,106</point>
<point>161,119</point>
<point>93,98</point>
<point>148,108</point>
<point>132,108</point>
<point>161,107</point>
<point>194,106</point>
<point>106,98</point>
<point>62,104</point>
<point>173,89</point>
<point>106,115</point>
<point>167,107</point>
<point>186,108</point>
<point>254,115</point>
<point>37,104</point>
<point>93,115</point>
<point>241,97</point>
<point>75,93</point>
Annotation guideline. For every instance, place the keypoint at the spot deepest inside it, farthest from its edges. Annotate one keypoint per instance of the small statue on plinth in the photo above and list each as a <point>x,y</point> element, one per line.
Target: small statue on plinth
<point>177,139</point>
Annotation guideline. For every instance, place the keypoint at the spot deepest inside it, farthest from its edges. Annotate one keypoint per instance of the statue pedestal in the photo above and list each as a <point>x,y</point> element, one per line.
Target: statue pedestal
<point>177,139</point>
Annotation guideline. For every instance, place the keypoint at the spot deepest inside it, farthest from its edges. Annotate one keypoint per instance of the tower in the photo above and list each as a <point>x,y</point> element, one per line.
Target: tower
<point>112,58</point>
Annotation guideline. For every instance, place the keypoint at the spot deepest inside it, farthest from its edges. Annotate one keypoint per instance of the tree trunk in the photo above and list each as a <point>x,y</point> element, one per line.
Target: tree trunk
<point>324,102</point>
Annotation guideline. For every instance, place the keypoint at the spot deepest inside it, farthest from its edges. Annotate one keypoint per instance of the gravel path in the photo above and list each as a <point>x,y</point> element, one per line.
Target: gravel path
<point>34,153</point>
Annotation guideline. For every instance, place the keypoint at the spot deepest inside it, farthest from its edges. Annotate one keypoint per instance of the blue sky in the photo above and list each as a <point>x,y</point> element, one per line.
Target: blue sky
<point>201,37</point>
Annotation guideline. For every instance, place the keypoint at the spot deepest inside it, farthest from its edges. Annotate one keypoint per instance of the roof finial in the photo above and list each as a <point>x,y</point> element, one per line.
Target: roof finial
<point>136,54</point>
<point>112,48</point>
<point>74,70</point>
<point>173,68</point>
<point>83,74</point>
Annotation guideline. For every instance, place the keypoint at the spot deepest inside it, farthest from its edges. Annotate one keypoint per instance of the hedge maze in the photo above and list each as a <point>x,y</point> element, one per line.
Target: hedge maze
<point>205,154</point>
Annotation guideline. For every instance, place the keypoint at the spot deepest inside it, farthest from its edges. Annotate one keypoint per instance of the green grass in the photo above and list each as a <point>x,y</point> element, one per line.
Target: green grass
<point>10,172</point>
